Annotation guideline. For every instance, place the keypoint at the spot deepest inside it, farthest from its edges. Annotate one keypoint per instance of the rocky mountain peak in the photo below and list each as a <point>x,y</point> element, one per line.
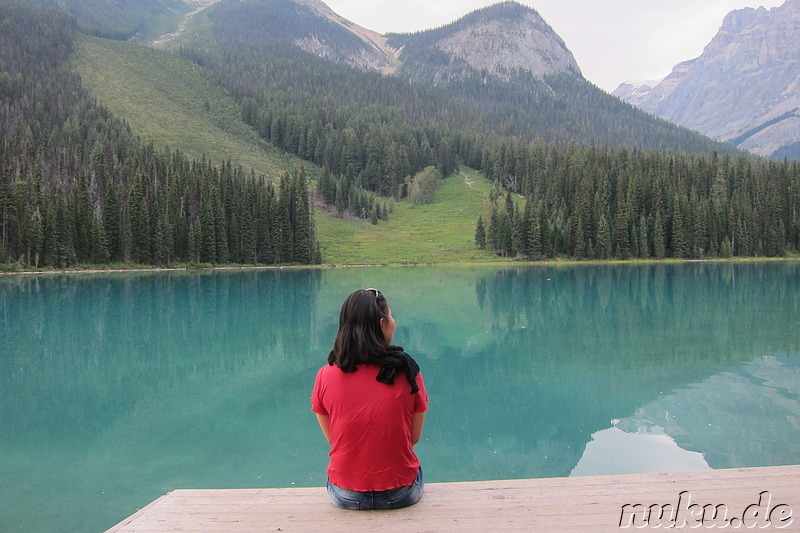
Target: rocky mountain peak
<point>629,90</point>
<point>509,36</point>
<point>377,54</point>
<point>744,88</point>
<point>495,40</point>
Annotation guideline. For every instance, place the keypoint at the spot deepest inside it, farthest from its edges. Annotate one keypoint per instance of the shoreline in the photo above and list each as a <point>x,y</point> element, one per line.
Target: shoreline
<point>552,262</point>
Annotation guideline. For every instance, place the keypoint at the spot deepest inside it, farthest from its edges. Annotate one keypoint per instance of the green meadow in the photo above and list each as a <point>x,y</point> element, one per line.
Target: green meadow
<point>439,232</point>
<point>172,102</point>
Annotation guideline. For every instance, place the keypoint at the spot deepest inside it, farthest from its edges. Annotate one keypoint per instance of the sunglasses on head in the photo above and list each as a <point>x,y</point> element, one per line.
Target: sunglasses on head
<point>378,294</point>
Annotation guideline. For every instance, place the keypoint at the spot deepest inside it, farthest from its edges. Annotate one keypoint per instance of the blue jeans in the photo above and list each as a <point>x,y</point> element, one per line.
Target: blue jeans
<point>355,500</point>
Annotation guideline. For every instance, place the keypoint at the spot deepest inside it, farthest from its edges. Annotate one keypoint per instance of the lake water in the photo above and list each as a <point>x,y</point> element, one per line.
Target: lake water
<point>117,388</point>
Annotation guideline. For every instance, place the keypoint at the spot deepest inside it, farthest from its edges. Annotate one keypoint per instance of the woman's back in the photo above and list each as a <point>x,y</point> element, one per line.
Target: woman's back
<point>370,427</point>
<point>370,402</point>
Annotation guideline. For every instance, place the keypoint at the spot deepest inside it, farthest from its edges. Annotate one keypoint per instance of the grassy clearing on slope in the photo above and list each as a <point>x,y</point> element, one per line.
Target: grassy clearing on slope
<point>441,232</point>
<point>173,102</point>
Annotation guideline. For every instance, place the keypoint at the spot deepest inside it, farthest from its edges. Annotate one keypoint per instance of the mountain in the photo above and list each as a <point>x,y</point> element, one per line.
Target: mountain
<point>496,41</point>
<point>368,115</point>
<point>633,91</point>
<point>499,70</point>
<point>375,55</point>
<point>745,87</point>
<point>77,186</point>
<point>469,75</point>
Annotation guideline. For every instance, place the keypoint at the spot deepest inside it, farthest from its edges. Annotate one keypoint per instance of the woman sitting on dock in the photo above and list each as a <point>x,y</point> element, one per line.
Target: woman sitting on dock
<point>370,401</point>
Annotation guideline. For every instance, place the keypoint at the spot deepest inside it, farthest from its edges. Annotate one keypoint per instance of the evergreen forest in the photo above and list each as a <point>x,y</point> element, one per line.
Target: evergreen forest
<point>77,187</point>
<point>376,130</point>
<point>576,173</point>
<point>584,202</point>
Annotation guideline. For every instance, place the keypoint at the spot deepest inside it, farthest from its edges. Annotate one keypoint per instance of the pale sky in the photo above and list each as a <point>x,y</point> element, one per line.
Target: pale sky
<point>612,40</point>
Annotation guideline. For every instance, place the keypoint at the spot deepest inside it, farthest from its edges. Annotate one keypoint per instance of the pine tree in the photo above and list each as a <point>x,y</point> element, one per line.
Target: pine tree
<point>622,240</point>
<point>192,251</point>
<point>84,219</point>
<point>700,215</point>
<point>506,235</point>
<point>582,229</point>
<point>535,231</point>
<point>248,227</point>
<point>206,230</point>
<point>64,251</point>
<point>603,248</point>
<point>285,216</point>
<point>140,223</point>
<point>5,219</point>
<point>161,247</point>
<point>220,228</point>
<point>302,233</point>
<point>579,241</point>
<point>49,256</point>
<point>507,224</point>
<point>544,233</point>
<point>525,248</point>
<point>679,246</point>
<point>659,238</point>
<point>100,239</point>
<point>111,220</point>
<point>493,231</point>
<point>327,187</point>
<point>265,242</point>
<point>518,235</point>
<point>644,243</point>
<point>480,234</point>
<point>36,237</point>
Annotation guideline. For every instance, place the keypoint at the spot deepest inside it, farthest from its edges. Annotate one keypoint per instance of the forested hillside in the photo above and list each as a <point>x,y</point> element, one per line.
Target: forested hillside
<point>591,199</point>
<point>380,129</point>
<point>77,187</point>
<point>589,203</point>
<point>576,173</point>
<point>377,129</point>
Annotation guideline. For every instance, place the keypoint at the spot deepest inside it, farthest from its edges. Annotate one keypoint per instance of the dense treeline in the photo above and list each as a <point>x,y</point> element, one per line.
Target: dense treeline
<point>324,113</point>
<point>382,129</point>
<point>584,202</point>
<point>350,198</point>
<point>77,187</point>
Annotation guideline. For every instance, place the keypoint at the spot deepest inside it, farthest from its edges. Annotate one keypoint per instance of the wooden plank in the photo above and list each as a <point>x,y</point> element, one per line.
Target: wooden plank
<point>553,504</point>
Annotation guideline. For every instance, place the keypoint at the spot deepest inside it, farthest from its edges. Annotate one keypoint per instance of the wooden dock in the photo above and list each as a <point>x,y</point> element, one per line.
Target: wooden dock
<point>765,499</point>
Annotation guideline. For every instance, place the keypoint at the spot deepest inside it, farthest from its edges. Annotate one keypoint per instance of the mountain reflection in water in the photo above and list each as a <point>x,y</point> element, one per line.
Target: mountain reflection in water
<point>115,389</point>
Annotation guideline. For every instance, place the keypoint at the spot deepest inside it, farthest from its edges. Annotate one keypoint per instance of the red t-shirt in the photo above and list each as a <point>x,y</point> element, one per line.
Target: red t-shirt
<point>370,427</point>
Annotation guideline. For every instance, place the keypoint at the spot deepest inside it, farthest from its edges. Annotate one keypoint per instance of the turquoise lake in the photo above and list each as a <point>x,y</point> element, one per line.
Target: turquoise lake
<point>117,388</point>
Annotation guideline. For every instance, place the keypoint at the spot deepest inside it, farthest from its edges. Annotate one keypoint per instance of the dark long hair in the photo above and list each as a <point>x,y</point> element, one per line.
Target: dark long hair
<point>360,338</point>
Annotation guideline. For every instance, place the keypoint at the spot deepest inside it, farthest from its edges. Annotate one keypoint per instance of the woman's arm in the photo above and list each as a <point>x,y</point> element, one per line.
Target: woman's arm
<point>417,421</point>
<point>325,425</point>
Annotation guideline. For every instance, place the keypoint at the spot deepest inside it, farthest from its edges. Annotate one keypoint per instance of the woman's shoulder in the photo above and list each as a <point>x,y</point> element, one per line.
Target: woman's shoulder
<point>326,369</point>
